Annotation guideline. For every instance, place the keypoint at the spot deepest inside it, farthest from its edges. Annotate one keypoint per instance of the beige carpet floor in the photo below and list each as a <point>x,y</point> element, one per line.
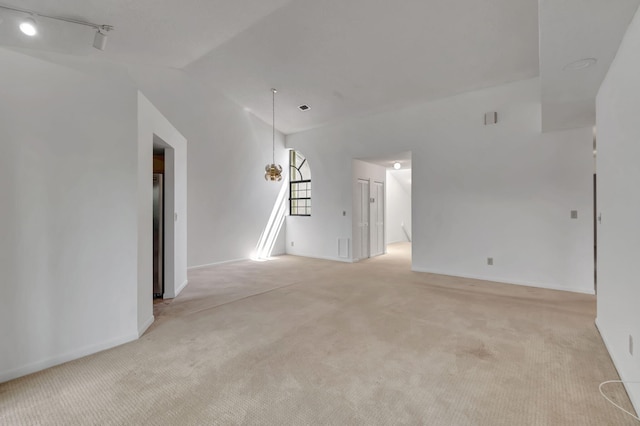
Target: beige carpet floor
<point>297,341</point>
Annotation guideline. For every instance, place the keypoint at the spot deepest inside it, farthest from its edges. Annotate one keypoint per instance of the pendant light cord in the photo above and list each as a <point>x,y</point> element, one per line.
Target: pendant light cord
<point>273,144</point>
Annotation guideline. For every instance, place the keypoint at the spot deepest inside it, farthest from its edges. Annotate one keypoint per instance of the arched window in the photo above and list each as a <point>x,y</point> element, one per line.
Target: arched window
<point>299,185</point>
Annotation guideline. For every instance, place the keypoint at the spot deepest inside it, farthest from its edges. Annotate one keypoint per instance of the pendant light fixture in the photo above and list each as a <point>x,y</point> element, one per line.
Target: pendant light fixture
<point>274,172</point>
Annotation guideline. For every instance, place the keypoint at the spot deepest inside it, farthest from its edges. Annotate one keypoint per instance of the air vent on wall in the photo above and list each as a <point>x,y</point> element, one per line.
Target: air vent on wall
<point>490,118</point>
<point>304,107</point>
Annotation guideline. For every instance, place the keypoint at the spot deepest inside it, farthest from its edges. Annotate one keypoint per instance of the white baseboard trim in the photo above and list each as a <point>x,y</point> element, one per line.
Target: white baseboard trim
<point>397,241</point>
<point>503,281</point>
<point>635,399</point>
<point>334,259</point>
<point>62,358</point>
<point>217,263</point>
<point>182,286</point>
<point>145,326</point>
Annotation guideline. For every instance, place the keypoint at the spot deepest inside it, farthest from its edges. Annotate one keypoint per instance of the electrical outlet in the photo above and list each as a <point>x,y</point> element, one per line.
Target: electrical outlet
<point>574,214</point>
<point>489,260</point>
<point>291,243</point>
<point>631,345</point>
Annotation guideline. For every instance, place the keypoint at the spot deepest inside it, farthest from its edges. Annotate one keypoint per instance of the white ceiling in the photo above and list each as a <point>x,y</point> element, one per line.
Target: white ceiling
<point>166,33</point>
<point>347,58</point>
<point>571,30</point>
<point>355,57</point>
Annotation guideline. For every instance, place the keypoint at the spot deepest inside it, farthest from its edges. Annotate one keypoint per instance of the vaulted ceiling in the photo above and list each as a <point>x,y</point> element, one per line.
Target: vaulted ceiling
<point>349,58</point>
<point>570,31</point>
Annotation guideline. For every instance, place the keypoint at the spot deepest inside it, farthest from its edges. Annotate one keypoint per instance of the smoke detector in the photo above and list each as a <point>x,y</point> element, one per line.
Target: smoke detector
<point>580,64</point>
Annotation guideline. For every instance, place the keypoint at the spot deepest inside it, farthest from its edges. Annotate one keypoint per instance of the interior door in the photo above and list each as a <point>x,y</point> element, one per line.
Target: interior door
<point>363,218</point>
<point>377,219</point>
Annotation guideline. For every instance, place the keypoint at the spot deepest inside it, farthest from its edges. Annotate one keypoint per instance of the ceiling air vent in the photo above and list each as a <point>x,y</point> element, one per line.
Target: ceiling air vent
<point>304,107</point>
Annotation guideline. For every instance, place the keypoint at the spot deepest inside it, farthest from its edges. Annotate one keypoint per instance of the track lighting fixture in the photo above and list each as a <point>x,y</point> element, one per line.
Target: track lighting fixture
<point>100,40</point>
<point>29,27</point>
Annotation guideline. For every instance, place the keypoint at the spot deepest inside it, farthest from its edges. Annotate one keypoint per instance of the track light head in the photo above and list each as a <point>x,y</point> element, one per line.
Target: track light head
<point>100,40</point>
<point>28,27</point>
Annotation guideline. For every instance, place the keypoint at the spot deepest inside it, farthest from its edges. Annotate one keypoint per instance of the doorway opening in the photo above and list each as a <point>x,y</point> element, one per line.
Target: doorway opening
<point>158,223</point>
<point>399,184</point>
<point>382,205</point>
<point>163,221</point>
<point>155,131</point>
<point>596,217</point>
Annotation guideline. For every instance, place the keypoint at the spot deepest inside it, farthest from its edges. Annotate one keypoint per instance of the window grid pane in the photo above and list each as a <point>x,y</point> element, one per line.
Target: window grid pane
<point>300,185</point>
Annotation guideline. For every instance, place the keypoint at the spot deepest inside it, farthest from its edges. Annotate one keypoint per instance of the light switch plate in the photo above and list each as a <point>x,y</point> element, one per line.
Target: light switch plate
<point>574,214</point>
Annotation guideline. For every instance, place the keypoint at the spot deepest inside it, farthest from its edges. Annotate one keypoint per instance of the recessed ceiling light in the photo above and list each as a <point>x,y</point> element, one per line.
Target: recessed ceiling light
<point>580,64</point>
<point>28,26</point>
<point>397,165</point>
<point>304,107</point>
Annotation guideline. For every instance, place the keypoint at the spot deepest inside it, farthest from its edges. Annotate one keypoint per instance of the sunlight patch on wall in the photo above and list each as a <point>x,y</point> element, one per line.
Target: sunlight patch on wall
<point>269,236</point>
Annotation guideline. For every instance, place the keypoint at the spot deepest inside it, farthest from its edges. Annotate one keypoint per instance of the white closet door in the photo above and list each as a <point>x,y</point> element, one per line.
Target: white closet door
<point>377,219</point>
<point>363,218</point>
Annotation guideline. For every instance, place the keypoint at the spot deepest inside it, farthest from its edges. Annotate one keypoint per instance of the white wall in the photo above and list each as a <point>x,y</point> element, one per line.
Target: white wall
<point>398,205</point>
<point>308,233</point>
<point>229,202</point>
<point>502,191</point>
<point>68,234</point>
<point>69,175</point>
<point>618,109</point>
<point>317,236</point>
